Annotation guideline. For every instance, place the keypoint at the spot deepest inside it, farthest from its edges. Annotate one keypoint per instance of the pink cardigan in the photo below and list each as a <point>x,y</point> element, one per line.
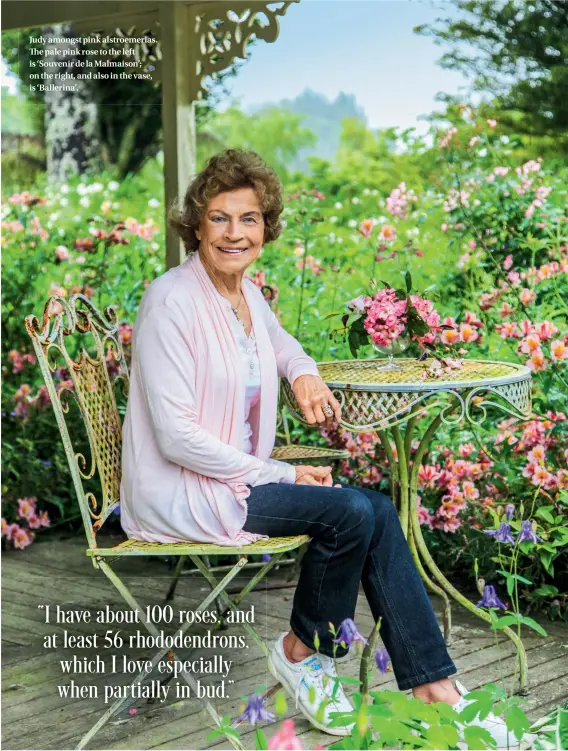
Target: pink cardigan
<point>184,475</point>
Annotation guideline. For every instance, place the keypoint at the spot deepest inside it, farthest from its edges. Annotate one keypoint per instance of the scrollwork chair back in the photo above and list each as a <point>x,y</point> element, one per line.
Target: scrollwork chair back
<point>75,335</point>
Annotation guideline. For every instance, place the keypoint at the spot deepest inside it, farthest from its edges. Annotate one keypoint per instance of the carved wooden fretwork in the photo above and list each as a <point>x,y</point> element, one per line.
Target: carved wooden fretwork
<point>223,31</point>
<point>218,31</point>
<point>147,54</point>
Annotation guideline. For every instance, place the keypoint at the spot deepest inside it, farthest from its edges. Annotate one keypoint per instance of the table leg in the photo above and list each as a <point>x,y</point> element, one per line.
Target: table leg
<point>400,469</point>
<point>424,553</point>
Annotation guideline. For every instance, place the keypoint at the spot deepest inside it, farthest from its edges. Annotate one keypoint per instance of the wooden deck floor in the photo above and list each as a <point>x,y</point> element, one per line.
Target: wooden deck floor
<point>57,572</point>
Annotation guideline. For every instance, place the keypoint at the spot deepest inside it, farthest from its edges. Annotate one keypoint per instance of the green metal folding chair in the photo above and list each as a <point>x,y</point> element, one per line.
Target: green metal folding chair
<point>74,335</point>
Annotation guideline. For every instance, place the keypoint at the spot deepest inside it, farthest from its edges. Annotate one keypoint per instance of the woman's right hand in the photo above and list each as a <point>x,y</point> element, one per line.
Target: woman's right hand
<point>307,475</point>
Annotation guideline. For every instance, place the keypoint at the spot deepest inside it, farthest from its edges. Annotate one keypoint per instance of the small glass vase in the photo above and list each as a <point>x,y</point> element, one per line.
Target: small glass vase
<point>397,347</point>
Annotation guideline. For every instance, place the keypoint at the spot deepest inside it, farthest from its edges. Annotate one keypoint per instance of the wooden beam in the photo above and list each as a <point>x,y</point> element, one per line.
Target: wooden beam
<point>23,14</point>
<point>178,113</point>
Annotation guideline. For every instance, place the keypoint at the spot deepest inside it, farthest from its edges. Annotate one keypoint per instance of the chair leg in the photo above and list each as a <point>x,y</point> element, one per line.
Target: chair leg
<point>175,578</point>
<point>223,625</point>
<point>295,569</point>
<point>171,655</point>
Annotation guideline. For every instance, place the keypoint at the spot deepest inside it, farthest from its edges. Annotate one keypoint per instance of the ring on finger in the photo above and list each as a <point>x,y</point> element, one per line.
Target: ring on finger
<point>327,410</point>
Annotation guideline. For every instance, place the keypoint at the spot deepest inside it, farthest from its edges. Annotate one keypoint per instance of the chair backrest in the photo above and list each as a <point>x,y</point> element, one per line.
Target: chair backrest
<point>76,337</point>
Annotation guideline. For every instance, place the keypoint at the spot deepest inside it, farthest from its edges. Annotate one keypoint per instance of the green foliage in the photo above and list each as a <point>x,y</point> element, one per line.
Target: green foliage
<point>517,53</point>
<point>323,259</point>
<point>276,134</point>
<point>127,142</point>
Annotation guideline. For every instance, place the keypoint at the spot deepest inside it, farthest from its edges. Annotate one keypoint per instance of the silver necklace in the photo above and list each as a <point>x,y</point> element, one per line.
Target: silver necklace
<point>235,310</point>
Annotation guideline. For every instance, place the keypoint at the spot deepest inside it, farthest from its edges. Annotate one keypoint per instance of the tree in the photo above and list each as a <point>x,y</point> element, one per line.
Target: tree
<point>71,128</point>
<point>517,52</point>
<point>126,135</point>
<point>277,135</point>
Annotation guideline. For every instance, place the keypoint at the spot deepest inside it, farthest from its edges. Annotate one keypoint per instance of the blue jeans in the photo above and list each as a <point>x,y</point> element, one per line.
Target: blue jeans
<point>356,537</point>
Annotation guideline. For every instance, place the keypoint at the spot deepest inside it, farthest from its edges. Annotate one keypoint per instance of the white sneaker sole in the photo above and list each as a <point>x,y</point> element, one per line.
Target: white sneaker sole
<point>305,711</point>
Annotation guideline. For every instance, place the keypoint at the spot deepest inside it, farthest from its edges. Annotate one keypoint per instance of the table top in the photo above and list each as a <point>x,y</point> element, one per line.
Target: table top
<point>366,375</point>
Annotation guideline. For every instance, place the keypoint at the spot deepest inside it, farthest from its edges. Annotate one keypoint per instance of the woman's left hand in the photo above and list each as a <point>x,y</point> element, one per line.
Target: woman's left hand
<point>312,395</point>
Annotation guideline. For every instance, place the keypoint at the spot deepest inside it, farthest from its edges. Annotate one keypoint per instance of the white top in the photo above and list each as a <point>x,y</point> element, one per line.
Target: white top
<point>275,471</point>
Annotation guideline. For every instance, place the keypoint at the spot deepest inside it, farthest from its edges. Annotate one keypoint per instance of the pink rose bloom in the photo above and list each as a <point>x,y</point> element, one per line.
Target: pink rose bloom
<point>514,277</point>
<point>444,227</point>
<point>508,262</point>
<point>492,123</point>
<point>501,171</point>
<point>472,245</point>
<point>285,738</point>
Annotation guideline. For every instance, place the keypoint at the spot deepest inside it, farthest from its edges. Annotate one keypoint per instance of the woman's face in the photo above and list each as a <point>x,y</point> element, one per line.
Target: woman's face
<point>231,232</point>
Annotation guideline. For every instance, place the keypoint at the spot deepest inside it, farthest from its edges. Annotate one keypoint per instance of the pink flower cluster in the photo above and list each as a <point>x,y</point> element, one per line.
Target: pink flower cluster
<point>399,201</point>
<point>447,137</point>
<point>286,738</point>
<point>532,337</point>
<point>20,536</point>
<point>311,263</point>
<point>146,231</point>
<point>26,199</point>
<point>456,198</point>
<point>18,360</point>
<point>455,482</point>
<point>466,332</point>
<point>386,316</point>
<point>538,447</point>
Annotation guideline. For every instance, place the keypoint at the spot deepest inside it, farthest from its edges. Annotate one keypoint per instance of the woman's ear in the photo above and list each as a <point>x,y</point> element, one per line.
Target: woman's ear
<point>198,234</point>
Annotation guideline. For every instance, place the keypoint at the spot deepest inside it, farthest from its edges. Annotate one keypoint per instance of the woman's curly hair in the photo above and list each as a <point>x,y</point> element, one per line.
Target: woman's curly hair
<point>229,170</point>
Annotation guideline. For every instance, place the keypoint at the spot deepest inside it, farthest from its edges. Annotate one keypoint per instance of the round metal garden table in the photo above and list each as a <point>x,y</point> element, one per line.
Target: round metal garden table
<point>391,402</point>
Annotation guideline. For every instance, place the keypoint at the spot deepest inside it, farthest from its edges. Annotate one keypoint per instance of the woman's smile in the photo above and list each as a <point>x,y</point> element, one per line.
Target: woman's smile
<point>231,236</point>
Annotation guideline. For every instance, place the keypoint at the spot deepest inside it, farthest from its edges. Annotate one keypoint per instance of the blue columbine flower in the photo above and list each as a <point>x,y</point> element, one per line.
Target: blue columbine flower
<point>503,534</point>
<point>45,463</point>
<point>256,711</point>
<point>509,511</point>
<point>490,599</point>
<point>266,557</point>
<point>382,659</point>
<point>349,633</point>
<point>527,533</point>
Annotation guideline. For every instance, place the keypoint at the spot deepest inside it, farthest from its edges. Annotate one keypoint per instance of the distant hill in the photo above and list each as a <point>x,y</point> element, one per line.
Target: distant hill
<point>323,117</point>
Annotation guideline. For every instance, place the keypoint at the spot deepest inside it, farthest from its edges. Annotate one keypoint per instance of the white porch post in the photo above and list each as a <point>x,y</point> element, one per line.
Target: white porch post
<point>178,110</point>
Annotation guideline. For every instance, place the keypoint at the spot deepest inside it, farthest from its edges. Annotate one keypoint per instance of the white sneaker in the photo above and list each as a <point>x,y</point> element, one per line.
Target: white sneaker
<point>298,677</point>
<point>495,725</point>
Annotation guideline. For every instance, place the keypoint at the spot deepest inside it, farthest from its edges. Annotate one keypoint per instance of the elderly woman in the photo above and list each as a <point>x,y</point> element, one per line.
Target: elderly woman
<point>200,428</point>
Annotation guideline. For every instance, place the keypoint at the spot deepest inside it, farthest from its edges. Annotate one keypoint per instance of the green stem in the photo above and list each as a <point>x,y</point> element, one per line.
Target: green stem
<point>365,658</point>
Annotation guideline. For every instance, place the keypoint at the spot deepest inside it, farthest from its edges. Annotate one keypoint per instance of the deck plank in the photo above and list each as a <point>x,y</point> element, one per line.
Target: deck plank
<point>58,572</point>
